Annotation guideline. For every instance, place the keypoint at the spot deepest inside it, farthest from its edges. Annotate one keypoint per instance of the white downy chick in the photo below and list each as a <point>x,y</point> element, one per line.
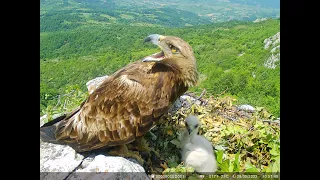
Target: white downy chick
<point>197,151</point>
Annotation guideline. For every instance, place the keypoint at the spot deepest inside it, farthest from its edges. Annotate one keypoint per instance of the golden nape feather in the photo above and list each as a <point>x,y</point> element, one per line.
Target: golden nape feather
<point>128,103</point>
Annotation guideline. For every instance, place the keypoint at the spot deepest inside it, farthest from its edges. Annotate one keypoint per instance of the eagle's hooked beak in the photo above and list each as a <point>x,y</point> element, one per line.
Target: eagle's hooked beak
<point>154,39</point>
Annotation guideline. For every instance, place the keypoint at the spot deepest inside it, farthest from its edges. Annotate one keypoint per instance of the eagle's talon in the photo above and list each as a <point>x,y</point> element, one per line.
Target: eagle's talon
<point>164,165</point>
<point>124,152</point>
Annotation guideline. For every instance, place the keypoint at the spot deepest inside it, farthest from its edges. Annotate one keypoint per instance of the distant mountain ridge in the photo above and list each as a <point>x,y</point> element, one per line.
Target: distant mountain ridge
<point>69,14</point>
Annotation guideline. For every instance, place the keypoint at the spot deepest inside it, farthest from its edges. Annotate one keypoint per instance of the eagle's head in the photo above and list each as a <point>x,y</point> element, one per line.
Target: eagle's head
<point>172,48</point>
<point>192,124</point>
<point>175,52</point>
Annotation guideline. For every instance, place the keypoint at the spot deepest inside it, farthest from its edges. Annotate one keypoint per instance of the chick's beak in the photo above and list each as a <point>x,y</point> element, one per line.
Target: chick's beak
<point>189,130</point>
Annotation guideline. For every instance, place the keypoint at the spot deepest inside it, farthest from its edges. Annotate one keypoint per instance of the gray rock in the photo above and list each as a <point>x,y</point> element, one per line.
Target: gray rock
<point>57,158</point>
<point>176,105</point>
<point>259,20</point>
<point>275,49</point>
<point>267,44</point>
<point>109,167</point>
<point>94,83</point>
<point>246,107</point>
<point>106,163</point>
<point>185,102</point>
<point>44,118</point>
<point>273,43</point>
<point>271,62</point>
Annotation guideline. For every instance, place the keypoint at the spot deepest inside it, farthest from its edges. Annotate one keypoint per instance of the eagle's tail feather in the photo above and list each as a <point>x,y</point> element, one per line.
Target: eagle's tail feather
<point>47,131</point>
<point>47,134</point>
<point>54,130</point>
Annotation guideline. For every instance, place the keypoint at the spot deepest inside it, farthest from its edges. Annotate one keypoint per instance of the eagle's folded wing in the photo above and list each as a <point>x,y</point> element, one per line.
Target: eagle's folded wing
<point>122,108</point>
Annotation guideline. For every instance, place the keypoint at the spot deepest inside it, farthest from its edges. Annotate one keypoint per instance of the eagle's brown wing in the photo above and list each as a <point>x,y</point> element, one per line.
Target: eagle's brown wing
<point>122,108</point>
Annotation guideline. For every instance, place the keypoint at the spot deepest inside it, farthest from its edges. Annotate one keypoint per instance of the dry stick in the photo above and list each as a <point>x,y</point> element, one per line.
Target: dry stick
<point>196,98</point>
<point>223,92</point>
<point>57,102</point>
<point>59,99</point>
<point>202,94</point>
<point>230,118</point>
<point>64,105</point>
<point>65,102</point>
<point>204,102</point>
<point>271,121</point>
<point>58,96</point>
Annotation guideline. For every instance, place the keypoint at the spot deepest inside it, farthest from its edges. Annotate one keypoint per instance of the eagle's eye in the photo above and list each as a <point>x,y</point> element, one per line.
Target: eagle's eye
<point>173,49</point>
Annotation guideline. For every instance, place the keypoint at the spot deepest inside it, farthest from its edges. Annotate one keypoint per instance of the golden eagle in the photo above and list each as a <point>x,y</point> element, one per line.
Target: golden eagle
<point>128,103</point>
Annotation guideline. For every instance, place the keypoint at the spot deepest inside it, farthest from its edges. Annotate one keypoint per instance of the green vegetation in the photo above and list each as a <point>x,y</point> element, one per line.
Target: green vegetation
<point>230,58</point>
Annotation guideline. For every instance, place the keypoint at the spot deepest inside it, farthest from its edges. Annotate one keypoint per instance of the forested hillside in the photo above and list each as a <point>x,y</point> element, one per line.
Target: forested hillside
<point>58,15</point>
<point>230,56</point>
